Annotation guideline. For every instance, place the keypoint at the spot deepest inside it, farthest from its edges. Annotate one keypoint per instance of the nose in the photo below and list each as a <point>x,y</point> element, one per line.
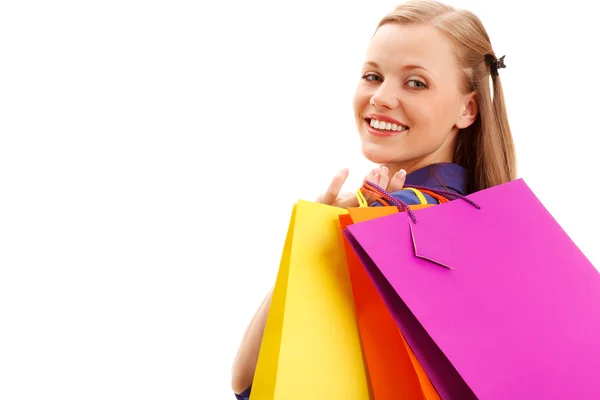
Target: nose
<point>386,96</point>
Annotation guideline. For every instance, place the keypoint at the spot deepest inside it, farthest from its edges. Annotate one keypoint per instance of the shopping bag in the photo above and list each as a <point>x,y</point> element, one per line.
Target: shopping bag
<point>495,300</point>
<point>311,347</point>
<point>393,370</point>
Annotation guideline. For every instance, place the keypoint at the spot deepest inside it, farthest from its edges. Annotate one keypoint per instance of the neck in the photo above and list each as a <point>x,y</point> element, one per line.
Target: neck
<point>443,155</point>
<point>412,166</point>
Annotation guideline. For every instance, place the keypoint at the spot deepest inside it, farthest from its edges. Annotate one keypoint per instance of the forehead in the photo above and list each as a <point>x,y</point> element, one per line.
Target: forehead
<point>395,45</point>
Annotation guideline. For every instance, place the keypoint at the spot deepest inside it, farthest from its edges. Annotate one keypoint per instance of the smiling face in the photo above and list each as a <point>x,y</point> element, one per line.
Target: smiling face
<point>409,105</point>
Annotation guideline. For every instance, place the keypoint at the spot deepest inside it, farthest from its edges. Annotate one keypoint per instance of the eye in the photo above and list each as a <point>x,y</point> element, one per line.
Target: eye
<point>372,77</point>
<point>416,84</point>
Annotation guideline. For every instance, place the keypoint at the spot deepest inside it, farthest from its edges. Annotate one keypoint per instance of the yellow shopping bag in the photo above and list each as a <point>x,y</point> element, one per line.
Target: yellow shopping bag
<point>311,347</point>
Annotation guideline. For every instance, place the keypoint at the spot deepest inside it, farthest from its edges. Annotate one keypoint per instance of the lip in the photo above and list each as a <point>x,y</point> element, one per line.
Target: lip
<point>381,117</point>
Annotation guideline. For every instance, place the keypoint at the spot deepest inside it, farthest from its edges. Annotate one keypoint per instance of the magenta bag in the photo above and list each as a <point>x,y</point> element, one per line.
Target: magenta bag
<point>495,300</point>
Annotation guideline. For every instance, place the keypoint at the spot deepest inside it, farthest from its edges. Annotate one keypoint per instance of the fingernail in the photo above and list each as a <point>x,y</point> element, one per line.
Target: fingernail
<point>401,174</point>
<point>385,169</point>
<point>376,172</point>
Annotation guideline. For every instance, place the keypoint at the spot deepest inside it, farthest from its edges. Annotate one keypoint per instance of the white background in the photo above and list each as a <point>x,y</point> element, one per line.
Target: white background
<point>151,152</point>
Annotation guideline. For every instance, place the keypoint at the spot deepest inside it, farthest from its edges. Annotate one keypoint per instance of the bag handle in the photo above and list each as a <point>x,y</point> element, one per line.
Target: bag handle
<point>417,192</point>
<point>442,196</point>
<point>362,201</point>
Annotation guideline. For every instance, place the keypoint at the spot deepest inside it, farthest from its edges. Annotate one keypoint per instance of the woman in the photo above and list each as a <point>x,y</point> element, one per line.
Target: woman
<point>426,114</point>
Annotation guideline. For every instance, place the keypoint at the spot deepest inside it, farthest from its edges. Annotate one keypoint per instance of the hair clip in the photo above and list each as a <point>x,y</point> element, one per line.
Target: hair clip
<point>494,63</point>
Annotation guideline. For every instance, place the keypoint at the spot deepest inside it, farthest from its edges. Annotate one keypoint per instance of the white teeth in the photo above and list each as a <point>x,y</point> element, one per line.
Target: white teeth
<point>386,126</point>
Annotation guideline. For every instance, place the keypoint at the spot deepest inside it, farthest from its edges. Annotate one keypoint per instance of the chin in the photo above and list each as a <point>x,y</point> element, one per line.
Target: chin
<point>378,155</point>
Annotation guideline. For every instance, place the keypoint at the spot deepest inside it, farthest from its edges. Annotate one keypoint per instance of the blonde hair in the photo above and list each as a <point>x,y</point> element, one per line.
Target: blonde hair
<point>485,148</point>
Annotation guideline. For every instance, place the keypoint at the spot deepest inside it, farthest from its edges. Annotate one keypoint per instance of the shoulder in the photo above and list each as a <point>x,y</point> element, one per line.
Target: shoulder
<point>245,395</point>
<point>409,197</point>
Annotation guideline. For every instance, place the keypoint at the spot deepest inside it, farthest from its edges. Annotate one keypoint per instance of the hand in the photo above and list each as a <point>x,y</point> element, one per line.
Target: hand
<point>380,177</point>
<point>333,197</point>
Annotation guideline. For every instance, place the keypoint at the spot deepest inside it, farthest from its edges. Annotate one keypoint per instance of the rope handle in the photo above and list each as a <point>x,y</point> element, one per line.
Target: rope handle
<point>442,196</point>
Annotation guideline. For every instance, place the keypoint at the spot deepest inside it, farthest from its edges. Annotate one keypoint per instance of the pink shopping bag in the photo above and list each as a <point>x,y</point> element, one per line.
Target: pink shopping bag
<point>496,301</point>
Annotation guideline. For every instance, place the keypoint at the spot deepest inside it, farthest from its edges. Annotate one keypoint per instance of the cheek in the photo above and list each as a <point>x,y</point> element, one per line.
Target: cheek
<point>433,113</point>
<point>360,101</point>
<point>421,112</point>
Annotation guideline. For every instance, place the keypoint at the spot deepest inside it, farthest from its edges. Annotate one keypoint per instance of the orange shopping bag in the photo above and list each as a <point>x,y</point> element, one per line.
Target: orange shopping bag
<point>394,371</point>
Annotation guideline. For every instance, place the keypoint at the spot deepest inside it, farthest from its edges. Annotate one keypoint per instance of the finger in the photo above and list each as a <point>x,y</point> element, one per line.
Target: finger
<point>334,188</point>
<point>384,178</point>
<point>347,200</point>
<point>397,181</point>
<point>373,177</point>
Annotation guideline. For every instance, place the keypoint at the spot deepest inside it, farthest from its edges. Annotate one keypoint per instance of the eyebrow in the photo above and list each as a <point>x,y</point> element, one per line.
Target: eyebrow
<point>405,67</point>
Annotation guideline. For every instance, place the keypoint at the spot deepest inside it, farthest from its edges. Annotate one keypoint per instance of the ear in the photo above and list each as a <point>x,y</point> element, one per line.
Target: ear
<point>469,111</point>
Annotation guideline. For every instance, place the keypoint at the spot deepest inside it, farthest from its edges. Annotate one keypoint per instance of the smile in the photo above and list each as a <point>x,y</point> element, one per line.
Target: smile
<point>383,128</point>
